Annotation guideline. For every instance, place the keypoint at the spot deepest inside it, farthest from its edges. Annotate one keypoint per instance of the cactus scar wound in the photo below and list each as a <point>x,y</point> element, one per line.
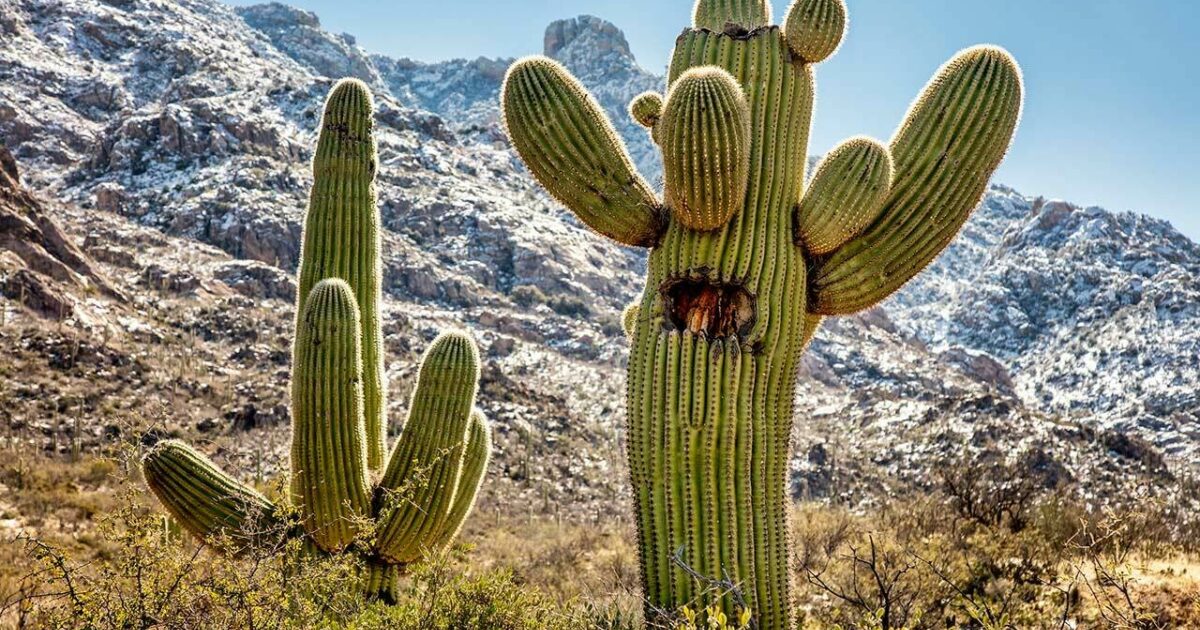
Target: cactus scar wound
<point>713,310</point>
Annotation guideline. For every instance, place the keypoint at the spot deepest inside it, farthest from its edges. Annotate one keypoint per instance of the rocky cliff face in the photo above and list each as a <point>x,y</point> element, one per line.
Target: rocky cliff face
<point>171,140</point>
<point>467,92</point>
<point>38,263</point>
<point>1094,313</point>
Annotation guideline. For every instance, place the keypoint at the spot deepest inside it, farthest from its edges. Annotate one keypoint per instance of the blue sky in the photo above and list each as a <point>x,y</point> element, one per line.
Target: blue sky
<point>1112,112</point>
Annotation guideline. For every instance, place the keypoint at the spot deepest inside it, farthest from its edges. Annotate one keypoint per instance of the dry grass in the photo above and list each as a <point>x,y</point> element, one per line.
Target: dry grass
<point>1064,566</point>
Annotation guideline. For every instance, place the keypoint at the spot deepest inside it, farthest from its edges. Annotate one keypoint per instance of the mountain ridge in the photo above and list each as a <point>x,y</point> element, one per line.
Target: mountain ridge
<point>188,125</point>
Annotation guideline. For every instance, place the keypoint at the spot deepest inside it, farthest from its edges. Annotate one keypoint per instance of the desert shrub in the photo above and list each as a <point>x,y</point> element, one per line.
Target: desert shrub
<point>139,571</point>
<point>530,296</point>
<point>998,546</point>
<point>569,306</point>
<point>527,295</point>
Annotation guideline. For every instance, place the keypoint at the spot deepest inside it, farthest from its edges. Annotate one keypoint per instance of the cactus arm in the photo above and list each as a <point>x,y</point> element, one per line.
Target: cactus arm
<point>475,462</point>
<point>718,15</point>
<point>418,488</point>
<point>954,138</point>
<point>571,148</point>
<point>329,455</point>
<point>646,109</point>
<point>845,196</point>
<point>705,139</point>
<point>342,235</point>
<point>814,28</point>
<point>206,501</point>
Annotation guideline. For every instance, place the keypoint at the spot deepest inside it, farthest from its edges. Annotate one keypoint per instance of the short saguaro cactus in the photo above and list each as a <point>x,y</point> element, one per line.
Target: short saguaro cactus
<point>746,260</point>
<point>344,497</point>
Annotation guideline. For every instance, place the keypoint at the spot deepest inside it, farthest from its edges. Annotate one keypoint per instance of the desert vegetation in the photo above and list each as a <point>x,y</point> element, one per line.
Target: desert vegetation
<point>986,548</point>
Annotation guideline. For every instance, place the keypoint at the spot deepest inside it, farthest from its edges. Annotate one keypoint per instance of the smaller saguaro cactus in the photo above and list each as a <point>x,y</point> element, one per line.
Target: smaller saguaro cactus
<point>432,476</point>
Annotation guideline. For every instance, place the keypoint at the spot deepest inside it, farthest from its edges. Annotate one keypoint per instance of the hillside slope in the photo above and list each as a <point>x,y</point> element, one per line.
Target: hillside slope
<point>171,141</point>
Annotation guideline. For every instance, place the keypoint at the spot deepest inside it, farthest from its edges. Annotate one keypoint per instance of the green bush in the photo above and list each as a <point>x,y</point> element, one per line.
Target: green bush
<point>527,295</point>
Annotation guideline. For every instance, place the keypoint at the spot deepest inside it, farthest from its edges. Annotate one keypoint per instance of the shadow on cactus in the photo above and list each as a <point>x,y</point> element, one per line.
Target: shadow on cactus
<point>745,261</point>
<point>342,495</point>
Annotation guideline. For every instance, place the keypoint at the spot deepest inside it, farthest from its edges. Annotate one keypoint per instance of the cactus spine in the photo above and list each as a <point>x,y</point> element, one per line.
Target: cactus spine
<point>441,457</point>
<point>731,301</point>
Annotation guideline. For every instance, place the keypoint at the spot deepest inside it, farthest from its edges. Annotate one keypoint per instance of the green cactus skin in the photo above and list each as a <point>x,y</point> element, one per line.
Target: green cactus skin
<point>331,493</point>
<point>573,151</point>
<point>383,581</point>
<point>706,173</point>
<point>726,313</point>
<point>342,236</point>
<point>207,502</point>
<point>953,139</point>
<point>845,196</point>
<point>720,15</point>
<point>814,28</point>
<point>646,109</point>
<point>441,458</point>
<point>475,461</point>
<point>432,447</point>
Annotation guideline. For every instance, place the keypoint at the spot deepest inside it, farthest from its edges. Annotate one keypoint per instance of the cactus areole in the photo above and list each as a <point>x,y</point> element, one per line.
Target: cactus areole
<point>745,261</point>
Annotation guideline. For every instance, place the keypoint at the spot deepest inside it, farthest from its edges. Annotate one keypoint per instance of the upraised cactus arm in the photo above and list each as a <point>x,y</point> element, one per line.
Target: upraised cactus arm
<point>329,445</point>
<point>570,146</point>
<point>953,139</point>
<point>845,196</point>
<point>430,452</point>
<point>475,461</point>
<point>706,173</point>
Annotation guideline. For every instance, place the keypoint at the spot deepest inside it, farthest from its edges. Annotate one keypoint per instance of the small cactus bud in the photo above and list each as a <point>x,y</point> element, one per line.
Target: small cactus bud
<point>814,28</point>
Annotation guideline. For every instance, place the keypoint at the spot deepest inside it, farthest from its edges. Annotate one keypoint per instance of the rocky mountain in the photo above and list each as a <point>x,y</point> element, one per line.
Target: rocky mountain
<point>1094,314</point>
<point>169,142</point>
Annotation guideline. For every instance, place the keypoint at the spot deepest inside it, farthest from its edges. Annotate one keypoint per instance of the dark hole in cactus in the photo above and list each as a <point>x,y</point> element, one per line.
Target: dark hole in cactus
<point>714,310</point>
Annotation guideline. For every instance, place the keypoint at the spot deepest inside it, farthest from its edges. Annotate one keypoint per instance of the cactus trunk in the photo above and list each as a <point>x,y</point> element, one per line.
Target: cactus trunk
<point>710,409</point>
<point>382,581</point>
<point>342,238</point>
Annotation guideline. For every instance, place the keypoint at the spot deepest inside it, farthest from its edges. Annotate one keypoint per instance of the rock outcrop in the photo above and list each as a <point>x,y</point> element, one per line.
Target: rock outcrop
<point>37,258</point>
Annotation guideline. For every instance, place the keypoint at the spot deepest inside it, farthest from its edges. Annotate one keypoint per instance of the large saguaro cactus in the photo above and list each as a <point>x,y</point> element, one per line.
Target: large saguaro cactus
<point>745,261</point>
<point>434,472</point>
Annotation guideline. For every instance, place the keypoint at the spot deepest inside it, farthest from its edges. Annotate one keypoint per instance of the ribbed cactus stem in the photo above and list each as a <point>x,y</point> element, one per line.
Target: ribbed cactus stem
<point>740,279</point>
<point>342,236</point>
<point>475,460</point>
<point>206,501</point>
<point>329,455</point>
<point>719,15</point>
<point>705,139</point>
<point>382,581</point>
<point>573,151</point>
<point>430,451</point>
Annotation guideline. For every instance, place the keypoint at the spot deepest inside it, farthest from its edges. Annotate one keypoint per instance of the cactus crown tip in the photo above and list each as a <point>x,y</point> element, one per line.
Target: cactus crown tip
<point>351,85</point>
<point>455,343</point>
